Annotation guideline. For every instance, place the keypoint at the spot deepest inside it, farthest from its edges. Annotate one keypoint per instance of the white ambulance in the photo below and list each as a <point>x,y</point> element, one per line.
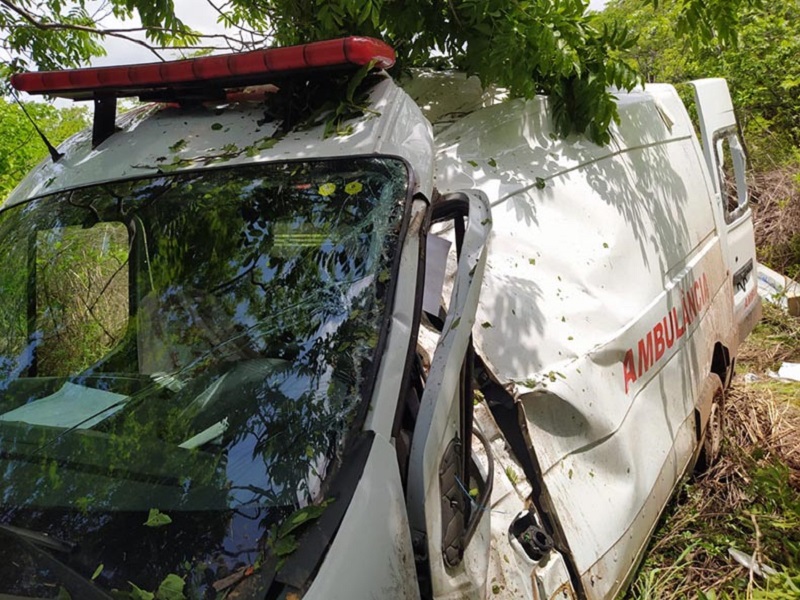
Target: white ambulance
<point>295,329</point>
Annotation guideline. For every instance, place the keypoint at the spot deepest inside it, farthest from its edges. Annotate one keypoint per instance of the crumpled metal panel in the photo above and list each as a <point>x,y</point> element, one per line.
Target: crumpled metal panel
<point>158,138</point>
<point>445,97</point>
<point>576,251</point>
<point>594,250</point>
<point>437,419</point>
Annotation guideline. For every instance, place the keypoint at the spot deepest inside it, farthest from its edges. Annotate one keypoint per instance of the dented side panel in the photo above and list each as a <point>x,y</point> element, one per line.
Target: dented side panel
<point>605,290</point>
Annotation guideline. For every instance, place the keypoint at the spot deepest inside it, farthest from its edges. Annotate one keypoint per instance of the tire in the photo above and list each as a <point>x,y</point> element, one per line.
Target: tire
<point>711,443</point>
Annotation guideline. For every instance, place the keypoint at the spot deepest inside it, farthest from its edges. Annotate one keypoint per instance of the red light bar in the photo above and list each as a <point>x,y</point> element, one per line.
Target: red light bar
<point>227,70</point>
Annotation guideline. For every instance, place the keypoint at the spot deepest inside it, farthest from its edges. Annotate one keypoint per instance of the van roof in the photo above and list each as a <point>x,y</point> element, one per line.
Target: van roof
<point>486,141</point>
<point>159,138</point>
<point>470,123</point>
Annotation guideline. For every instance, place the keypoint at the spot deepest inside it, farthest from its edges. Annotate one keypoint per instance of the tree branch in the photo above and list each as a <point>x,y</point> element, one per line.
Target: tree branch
<point>239,27</point>
<point>232,43</point>
<point>42,26</point>
<point>97,14</point>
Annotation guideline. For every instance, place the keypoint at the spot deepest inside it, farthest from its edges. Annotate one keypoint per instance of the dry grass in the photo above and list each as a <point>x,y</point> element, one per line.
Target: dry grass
<point>775,340</point>
<point>762,423</point>
<point>775,196</point>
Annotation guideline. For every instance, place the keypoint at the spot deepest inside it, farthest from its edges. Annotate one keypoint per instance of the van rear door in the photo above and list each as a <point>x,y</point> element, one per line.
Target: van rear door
<point>725,156</point>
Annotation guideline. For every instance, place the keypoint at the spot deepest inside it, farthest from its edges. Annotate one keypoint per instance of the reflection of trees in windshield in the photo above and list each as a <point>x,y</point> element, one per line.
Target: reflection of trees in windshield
<point>255,300</point>
<point>82,295</point>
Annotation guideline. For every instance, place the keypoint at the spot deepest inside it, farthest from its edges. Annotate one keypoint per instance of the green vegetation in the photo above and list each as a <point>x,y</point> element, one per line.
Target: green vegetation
<point>761,68</point>
<point>512,475</point>
<point>82,286</point>
<point>777,215</point>
<point>20,146</point>
<point>171,588</point>
<point>156,518</point>
<point>528,47</point>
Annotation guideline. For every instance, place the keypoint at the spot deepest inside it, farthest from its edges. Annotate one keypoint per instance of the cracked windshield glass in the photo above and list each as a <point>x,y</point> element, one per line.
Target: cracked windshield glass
<point>182,361</point>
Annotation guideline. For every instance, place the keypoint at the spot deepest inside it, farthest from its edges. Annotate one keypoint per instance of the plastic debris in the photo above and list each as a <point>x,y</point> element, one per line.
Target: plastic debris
<point>751,378</point>
<point>789,370</point>
<point>750,563</point>
<point>778,289</point>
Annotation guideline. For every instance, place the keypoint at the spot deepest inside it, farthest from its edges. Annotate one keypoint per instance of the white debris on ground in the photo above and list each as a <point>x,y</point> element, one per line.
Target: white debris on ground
<point>751,563</point>
<point>778,289</point>
<point>788,371</point>
<point>782,291</point>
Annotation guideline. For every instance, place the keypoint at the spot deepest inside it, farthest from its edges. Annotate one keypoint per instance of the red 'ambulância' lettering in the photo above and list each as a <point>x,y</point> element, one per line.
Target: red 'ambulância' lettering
<point>666,331</point>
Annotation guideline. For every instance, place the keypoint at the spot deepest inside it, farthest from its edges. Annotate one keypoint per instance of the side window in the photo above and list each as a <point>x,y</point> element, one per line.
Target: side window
<point>82,299</point>
<point>731,160</point>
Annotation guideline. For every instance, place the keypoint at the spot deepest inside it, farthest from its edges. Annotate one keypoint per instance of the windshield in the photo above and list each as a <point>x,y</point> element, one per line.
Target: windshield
<point>182,359</point>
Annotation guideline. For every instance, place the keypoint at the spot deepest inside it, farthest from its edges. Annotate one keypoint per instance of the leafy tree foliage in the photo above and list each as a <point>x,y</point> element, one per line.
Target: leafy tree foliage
<point>761,67</point>
<point>52,34</point>
<point>529,46</point>
<point>20,147</point>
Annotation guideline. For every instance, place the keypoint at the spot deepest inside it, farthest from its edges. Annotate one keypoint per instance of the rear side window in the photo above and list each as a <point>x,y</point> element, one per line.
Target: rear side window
<point>731,173</point>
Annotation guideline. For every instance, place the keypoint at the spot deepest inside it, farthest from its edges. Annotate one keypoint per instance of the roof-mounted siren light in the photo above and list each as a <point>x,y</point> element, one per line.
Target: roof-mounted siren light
<point>198,78</point>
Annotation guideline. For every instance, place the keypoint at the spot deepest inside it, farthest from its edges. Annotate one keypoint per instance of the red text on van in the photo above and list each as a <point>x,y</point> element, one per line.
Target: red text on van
<point>668,330</point>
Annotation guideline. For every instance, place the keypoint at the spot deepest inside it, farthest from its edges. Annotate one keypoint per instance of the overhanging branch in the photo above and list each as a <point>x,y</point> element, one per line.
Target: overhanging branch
<point>44,26</point>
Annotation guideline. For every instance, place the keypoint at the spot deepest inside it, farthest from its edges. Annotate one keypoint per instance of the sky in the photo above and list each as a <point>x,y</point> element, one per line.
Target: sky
<point>196,14</point>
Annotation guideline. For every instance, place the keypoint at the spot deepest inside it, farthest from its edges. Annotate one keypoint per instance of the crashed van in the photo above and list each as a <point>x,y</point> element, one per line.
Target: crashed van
<point>291,328</point>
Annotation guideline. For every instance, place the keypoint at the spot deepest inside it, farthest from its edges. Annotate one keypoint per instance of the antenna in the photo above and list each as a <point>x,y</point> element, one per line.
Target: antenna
<point>54,154</point>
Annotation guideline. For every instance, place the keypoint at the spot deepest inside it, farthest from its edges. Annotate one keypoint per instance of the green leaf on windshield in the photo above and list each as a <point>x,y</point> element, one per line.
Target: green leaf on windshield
<point>97,571</point>
<point>63,594</point>
<point>298,518</point>
<point>178,146</point>
<point>285,546</point>
<point>138,593</point>
<point>171,588</point>
<point>157,519</point>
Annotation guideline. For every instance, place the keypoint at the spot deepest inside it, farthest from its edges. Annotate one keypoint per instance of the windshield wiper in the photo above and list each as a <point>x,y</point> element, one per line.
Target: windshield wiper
<point>41,539</point>
<point>75,584</point>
